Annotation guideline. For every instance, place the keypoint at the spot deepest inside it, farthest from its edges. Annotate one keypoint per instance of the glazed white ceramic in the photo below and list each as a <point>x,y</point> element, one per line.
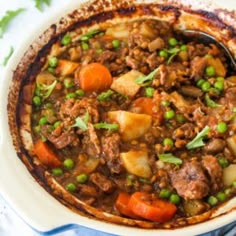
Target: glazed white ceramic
<point>37,207</point>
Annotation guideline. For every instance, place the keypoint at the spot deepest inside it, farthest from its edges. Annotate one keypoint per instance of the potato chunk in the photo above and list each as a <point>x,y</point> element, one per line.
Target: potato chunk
<point>229,174</point>
<point>66,67</point>
<point>136,163</point>
<point>126,84</point>
<point>132,125</point>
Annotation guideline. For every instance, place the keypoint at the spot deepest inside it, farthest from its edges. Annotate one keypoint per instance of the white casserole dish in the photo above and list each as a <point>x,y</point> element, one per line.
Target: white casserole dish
<point>35,205</point>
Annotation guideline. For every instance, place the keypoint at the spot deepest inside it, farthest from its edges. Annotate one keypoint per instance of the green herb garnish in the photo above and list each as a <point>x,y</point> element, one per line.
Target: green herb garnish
<point>104,125</point>
<point>82,122</point>
<point>210,102</point>
<point>105,96</point>
<point>198,140</point>
<point>46,90</point>
<point>7,18</point>
<point>173,52</point>
<point>170,158</point>
<point>144,79</point>
<point>89,35</point>
<point>6,59</point>
<point>39,4</point>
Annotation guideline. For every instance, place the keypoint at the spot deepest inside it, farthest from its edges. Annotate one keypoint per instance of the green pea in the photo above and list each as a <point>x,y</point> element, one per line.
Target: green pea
<point>43,120</point>
<point>66,40</point>
<point>210,71</point>
<point>164,193</point>
<point>169,114</point>
<point>200,82</point>
<point>51,70</point>
<point>221,196</point>
<point>80,92</point>
<point>71,95</point>
<point>68,83</point>
<point>221,127</point>
<point>37,100</point>
<point>163,53</point>
<point>37,129</point>
<point>206,86</point>
<point>219,85</point>
<point>234,110</point>
<point>57,171</point>
<point>116,43</point>
<point>223,162</point>
<point>173,42</point>
<point>183,48</point>
<point>165,103</point>
<point>212,200</point>
<point>149,91</point>
<point>82,178</point>
<point>234,184</point>
<point>168,142</point>
<point>180,118</point>
<point>228,192</point>
<point>71,187</point>
<point>99,51</point>
<point>175,198</point>
<point>53,62</point>
<point>57,124</point>
<point>84,46</point>
<point>130,180</point>
<point>68,163</point>
<point>220,79</point>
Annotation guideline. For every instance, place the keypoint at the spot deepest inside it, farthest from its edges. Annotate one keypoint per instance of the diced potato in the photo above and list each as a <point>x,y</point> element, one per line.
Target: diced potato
<point>86,165</point>
<point>218,65</point>
<point>66,67</point>
<point>147,31</point>
<point>118,31</point>
<point>132,125</point>
<point>126,84</point>
<point>231,142</point>
<point>229,174</point>
<point>136,163</point>
<point>45,78</point>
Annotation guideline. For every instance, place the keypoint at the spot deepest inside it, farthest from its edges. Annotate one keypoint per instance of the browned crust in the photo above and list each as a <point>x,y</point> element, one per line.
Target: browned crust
<point>93,12</point>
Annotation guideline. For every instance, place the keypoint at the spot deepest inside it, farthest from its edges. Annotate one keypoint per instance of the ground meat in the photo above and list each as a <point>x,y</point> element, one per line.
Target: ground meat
<point>198,65</point>
<point>107,56</point>
<point>190,181</point>
<point>214,171</point>
<point>111,152</point>
<point>74,108</point>
<point>102,182</point>
<point>66,138</point>
<point>230,96</point>
<point>91,143</point>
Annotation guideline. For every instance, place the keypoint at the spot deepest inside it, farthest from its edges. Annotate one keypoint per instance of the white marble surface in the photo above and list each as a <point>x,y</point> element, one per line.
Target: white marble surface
<point>20,27</point>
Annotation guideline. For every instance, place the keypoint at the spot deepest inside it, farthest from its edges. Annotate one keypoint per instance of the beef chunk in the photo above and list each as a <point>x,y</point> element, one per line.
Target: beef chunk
<point>87,190</point>
<point>214,170</point>
<point>111,152</point>
<point>102,182</point>
<point>190,181</point>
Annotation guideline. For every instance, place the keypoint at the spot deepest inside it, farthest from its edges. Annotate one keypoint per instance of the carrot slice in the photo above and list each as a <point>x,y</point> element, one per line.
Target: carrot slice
<point>122,205</point>
<point>151,208</point>
<point>93,77</point>
<point>46,155</point>
<point>143,105</point>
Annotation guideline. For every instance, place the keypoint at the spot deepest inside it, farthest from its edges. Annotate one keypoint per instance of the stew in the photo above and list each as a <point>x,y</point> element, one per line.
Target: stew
<point>136,122</point>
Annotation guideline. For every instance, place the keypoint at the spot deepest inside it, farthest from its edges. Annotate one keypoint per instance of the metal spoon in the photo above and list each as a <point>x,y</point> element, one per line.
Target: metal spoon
<point>205,38</point>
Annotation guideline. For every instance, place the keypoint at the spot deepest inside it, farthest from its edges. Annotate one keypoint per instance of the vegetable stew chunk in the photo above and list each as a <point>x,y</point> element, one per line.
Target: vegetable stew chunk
<point>134,121</point>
